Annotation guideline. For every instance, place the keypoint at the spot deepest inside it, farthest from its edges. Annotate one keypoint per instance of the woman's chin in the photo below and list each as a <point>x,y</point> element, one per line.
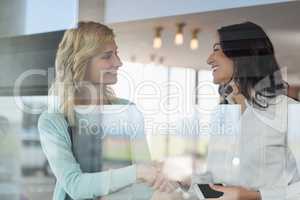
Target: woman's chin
<point>219,80</point>
<point>216,80</point>
<point>111,81</point>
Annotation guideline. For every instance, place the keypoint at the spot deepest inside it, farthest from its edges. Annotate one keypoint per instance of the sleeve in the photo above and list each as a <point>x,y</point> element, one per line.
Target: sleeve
<point>56,145</point>
<point>290,191</point>
<point>275,193</point>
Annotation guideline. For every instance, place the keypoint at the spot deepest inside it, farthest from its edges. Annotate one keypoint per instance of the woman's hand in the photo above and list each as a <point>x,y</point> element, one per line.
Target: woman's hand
<point>153,175</point>
<point>186,181</point>
<point>163,184</point>
<point>146,173</point>
<point>235,193</point>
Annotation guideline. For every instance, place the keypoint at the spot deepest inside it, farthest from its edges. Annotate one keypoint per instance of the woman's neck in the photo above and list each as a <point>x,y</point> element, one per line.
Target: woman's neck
<point>91,95</point>
<point>240,99</point>
<point>237,96</point>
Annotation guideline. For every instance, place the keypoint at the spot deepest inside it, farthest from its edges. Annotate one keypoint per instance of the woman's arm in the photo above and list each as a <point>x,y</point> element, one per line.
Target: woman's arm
<point>57,147</point>
<point>277,193</point>
<point>236,193</point>
<point>290,191</point>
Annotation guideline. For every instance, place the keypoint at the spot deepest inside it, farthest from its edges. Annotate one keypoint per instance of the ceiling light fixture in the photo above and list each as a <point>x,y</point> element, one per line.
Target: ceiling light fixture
<point>179,34</point>
<point>157,42</point>
<point>194,44</point>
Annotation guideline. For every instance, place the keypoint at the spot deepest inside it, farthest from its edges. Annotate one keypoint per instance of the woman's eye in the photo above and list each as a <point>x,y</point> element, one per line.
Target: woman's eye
<point>106,57</point>
<point>216,47</point>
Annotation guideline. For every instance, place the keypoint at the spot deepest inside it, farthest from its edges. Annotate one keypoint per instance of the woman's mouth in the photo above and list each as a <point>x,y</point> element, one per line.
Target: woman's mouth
<point>112,72</point>
<point>215,68</point>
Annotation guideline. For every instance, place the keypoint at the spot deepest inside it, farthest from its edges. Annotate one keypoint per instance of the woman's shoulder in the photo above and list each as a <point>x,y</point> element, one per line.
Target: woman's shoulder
<point>52,120</point>
<point>283,101</point>
<point>121,101</point>
<point>279,102</point>
<point>275,115</point>
<point>292,101</point>
<point>51,115</point>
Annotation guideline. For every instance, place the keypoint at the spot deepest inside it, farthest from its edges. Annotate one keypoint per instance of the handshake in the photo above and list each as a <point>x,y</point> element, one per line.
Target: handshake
<point>153,175</point>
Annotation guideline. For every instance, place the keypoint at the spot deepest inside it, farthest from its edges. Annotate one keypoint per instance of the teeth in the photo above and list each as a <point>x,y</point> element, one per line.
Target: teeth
<point>214,68</point>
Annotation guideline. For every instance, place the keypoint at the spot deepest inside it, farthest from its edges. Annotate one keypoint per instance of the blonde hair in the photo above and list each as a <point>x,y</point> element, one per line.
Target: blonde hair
<point>77,48</point>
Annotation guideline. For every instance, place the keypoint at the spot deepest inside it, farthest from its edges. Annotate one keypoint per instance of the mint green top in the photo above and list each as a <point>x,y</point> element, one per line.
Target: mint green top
<point>56,144</point>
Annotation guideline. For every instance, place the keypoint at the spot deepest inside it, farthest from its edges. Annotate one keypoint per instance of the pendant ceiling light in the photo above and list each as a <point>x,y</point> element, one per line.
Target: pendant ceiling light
<point>179,34</point>
<point>194,44</point>
<point>157,41</point>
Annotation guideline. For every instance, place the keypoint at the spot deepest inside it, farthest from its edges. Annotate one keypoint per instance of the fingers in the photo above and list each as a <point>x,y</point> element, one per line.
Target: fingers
<point>159,180</point>
<point>217,187</point>
<point>186,181</point>
<point>164,187</point>
<point>153,175</point>
<point>172,186</point>
<point>168,187</point>
<point>146,173</point>
<point>163,184</point>
<point>158,166</point>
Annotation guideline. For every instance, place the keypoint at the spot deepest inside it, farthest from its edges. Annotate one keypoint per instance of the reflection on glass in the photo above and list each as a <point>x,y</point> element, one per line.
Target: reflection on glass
<point>111,137</point>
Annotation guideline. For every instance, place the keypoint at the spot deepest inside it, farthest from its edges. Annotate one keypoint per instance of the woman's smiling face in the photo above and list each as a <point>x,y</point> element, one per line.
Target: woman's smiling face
<point>103,68</point>
<point>221,65</point>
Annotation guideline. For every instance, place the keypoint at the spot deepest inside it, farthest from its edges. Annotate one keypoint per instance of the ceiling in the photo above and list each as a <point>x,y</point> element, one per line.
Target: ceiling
<point>280,21</point>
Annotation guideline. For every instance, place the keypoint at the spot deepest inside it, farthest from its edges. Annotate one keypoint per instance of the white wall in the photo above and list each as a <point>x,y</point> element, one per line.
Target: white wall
<point>91,10</point>
<point>12,24</point>
<point>24,17</point>
<point>128,10</point>
<point>48,15</point>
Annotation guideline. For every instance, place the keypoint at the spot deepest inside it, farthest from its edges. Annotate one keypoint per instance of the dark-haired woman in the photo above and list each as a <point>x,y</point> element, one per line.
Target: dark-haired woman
<point>259,163</point>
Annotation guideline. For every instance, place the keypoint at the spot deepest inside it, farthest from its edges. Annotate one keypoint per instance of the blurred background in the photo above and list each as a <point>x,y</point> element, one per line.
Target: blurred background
<point>163,45</point>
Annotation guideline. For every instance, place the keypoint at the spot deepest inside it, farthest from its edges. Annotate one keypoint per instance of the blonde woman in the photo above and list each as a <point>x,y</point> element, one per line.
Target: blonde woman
<point>87,62</point>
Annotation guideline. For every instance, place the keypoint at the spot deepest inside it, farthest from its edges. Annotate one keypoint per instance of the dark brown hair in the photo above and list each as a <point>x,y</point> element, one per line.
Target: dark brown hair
<point>256,71</point>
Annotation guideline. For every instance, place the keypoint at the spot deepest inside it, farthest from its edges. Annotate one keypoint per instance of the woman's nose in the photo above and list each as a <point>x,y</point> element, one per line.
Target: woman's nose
<point>210,59</point>
<point>117,62</point>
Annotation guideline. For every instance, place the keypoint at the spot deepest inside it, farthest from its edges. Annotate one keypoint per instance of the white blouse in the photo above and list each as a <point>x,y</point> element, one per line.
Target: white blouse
<point>255,153</point>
